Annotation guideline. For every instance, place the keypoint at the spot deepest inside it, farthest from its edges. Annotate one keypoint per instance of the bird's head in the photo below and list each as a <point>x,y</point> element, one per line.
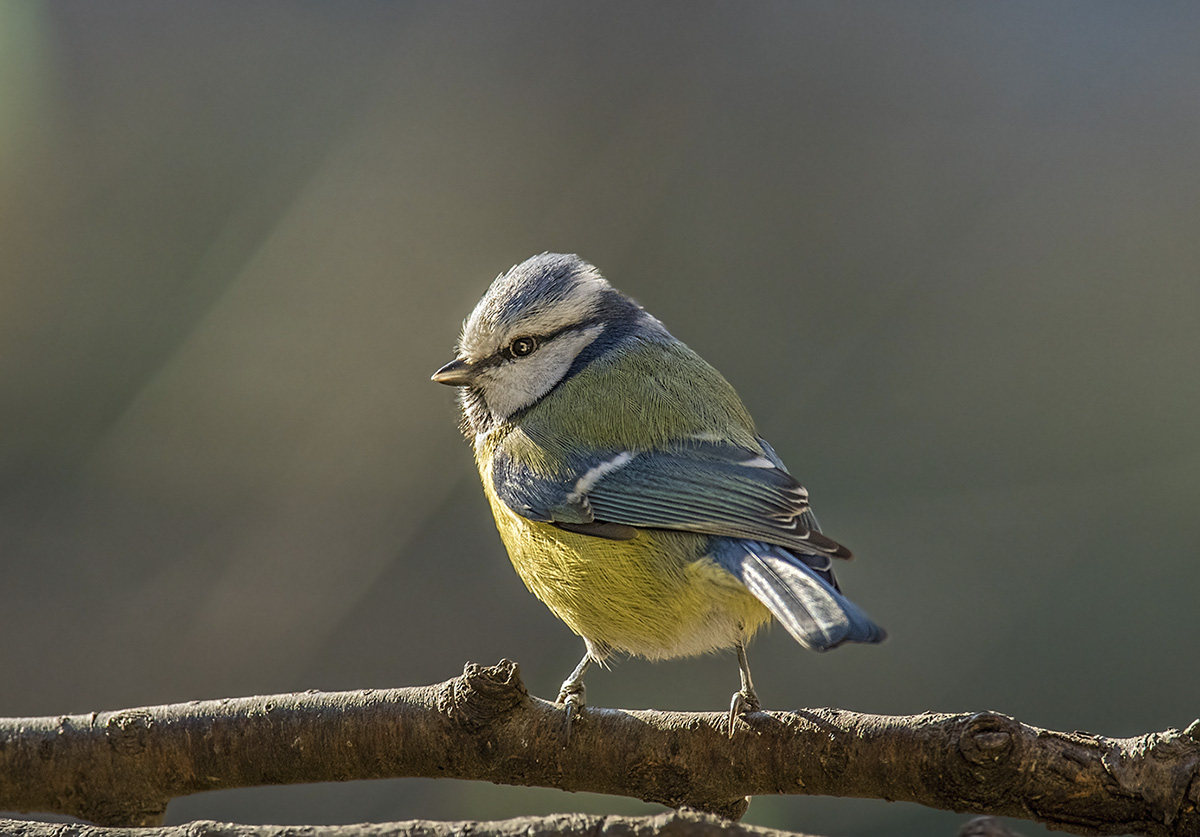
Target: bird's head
<point>539,323</point>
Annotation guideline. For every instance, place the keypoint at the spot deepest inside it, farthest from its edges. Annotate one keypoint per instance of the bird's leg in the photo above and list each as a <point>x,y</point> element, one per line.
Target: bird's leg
<point>744,699</point>
<point>571,695</point>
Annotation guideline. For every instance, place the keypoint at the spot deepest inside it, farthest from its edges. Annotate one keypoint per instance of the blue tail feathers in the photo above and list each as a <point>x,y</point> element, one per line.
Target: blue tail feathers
<point>802,597</point>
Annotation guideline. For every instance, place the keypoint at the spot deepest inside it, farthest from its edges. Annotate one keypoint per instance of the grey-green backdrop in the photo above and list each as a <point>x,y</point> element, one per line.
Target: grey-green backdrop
<point>948,252</point>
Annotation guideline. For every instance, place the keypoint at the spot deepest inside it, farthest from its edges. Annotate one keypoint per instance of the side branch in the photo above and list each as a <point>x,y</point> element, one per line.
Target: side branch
<point>121,768</point>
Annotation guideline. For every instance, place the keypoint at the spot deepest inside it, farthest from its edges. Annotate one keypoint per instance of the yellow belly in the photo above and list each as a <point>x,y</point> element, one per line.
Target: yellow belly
<point>656,595</point>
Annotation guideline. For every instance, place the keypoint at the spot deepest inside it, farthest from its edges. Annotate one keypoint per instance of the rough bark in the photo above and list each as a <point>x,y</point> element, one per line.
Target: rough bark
<point>121,768</point>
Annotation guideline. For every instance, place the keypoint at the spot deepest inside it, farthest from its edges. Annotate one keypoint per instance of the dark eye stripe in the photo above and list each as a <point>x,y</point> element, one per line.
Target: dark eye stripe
<point>510,352</point>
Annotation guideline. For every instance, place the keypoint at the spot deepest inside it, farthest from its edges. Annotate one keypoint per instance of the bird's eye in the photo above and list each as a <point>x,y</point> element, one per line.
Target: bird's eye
<point>522,346</point>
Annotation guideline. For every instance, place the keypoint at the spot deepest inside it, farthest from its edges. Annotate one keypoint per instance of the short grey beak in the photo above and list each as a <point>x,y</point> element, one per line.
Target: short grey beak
<point>456,373</point>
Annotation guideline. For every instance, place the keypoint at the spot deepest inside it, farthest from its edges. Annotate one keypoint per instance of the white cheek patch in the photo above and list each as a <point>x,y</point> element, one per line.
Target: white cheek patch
<point>518,383</point>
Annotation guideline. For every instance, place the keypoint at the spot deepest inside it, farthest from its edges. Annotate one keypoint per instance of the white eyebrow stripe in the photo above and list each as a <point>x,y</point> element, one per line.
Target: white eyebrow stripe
<point>565,315</point>
<point>492,325</point>
<point>593,475</point>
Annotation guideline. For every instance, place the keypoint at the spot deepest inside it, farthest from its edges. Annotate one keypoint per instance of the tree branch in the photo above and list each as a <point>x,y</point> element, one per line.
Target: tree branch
<point>670,824</point>
<point>121,768</point>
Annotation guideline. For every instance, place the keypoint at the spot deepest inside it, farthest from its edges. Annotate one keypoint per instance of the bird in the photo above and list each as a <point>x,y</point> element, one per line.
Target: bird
<point>629,485</point>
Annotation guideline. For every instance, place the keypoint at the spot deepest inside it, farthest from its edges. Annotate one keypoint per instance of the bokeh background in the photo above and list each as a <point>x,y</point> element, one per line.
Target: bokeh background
<point>948,252</point>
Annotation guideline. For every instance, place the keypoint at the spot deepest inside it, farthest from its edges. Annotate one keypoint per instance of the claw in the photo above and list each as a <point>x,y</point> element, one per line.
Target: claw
<point>743,702</point>
<point>571,693</point>
<point>573,701</point>
<point>572,696</point>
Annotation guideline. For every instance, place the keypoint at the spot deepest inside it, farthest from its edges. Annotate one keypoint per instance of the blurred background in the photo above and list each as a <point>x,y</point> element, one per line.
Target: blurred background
<point>947,252</point>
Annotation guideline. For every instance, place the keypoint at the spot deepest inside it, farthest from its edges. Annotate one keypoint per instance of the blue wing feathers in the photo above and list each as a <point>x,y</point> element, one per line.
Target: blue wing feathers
<point>706,487</point>
<point>798,595</point>
<point>533,496</point>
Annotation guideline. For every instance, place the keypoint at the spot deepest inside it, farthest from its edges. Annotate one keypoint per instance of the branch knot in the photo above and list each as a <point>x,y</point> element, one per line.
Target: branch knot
<point>989,739</point>
<point>128,731</point>
<point>482,694</point>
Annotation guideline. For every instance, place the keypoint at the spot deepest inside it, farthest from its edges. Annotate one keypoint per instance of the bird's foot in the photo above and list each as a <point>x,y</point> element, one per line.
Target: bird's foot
<point>744,701</point>
<point>572,697</point>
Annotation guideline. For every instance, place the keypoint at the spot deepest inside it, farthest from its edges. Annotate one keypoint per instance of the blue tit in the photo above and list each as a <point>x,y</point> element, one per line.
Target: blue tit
<point>629,485</point>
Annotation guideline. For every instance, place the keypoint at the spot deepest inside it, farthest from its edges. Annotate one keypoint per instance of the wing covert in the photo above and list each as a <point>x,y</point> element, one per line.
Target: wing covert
<point>713,489</point>
<point>707,487</point>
